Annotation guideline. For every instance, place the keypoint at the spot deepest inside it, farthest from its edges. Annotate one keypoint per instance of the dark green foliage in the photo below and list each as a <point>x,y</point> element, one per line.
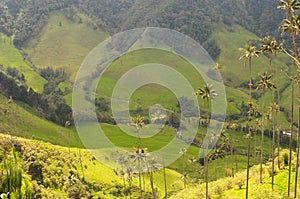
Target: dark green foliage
<point>51,106</point>
<point>213,49</point>
<point>35,169</point>
<point>102,104</point>
<point>194,18</point>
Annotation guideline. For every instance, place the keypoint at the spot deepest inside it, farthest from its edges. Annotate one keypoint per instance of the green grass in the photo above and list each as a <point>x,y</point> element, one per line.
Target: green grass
<point>59,161</point>
<point>161,139</point>
<point>234,188</point>
<point>20,120</point>
<point>64,46</point>
<point>230,39</point>
<point>10,56</point>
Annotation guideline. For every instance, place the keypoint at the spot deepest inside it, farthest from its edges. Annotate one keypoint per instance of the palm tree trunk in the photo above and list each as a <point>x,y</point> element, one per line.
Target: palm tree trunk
<point>206,172</point>
<point>297,161</point>
<point>152,185</point>
<point>255,133</point>
<point>273,126</point>
<point>273,153</point>
<point>292,115</point>
<point>140,178</point>
<point>278,122</point>
<point>249,133</point>
<point>298,145</point>
<point>262,137</point>
<point>215,170</point>
<point>231,155</point>
<point>165,182</point>
<point>248,163</point>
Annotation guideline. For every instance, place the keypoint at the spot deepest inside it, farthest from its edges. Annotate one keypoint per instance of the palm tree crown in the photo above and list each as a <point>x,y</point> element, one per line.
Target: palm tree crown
<point>206,93</point>
<point>249,52</point>
<point>269,46</point>
<point>289,5</point>
<point>265,82</point>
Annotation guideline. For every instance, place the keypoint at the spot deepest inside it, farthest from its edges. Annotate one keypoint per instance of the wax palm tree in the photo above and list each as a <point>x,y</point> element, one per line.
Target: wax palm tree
<point>291,25</point>
<point>289,6</point>
<point>129,175</point>
<point>138,123</point>
<point>207,93</point>
<point>122,161</point>
<point>152,166</point>
<point>232,127</point>
<point>225,144</point>
<point>249,52</point>
<point>184,176</point>
<point>263,84</point>
<point>216,154</point>
<point>271,47</point>
<point>139,156</point>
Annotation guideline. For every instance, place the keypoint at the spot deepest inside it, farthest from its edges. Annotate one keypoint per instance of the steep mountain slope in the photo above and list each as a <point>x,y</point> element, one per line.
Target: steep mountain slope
<point>11,57</point>
<point>60,172</point>
<point>64,42</point>
<point>21,120</point>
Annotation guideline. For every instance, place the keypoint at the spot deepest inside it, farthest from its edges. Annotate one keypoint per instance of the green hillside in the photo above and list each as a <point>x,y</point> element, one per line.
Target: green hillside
<point>89,177</point>
<point>21,120</point>
<point>10,56</point>
<point>64,42</point>
<point>235,187</point>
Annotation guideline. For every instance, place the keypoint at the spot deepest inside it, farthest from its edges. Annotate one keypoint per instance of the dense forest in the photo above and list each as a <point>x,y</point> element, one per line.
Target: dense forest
<point>197,19</point>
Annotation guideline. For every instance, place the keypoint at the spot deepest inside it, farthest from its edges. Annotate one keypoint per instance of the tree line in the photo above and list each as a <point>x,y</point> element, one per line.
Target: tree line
<point>50,104</point>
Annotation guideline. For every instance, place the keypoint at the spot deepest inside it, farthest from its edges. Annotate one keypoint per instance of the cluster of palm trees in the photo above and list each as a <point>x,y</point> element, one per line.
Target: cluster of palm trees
<point>270,47</point>
<point>145,165</point>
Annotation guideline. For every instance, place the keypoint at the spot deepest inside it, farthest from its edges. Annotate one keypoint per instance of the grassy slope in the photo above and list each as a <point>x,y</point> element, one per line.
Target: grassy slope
<point>122,139</point>
<point>233,71</point>
<point>10,56</point>
<point>234,188</point>
<point>18,119</point>
<point>64,46</point>
<point>59,159</point>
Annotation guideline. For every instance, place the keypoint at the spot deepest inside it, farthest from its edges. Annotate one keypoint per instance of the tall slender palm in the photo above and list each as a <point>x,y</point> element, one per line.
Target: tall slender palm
<point>289,24</point>
<point>249,52</point>
<point>263,84</point>
<point>271,47</point>
<point>289,6</point>
<point>139,156</point>
<point>216,154</point>
<point>138,122</point>
<point>207,93</point>
<point>232,128</point>
<point>151,167</point>
<point>225,145</point>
